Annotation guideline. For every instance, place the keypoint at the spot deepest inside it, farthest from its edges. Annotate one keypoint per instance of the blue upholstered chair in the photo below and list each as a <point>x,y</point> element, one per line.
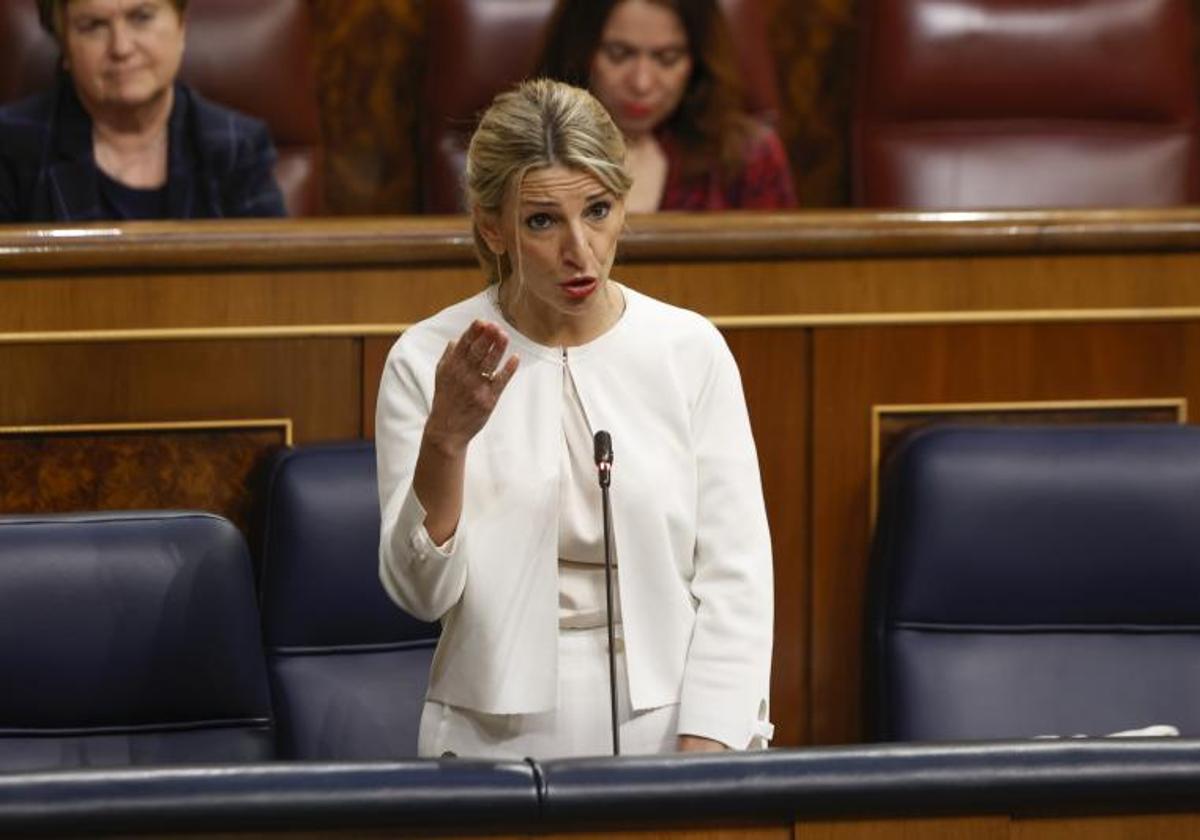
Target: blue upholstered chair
<point>1037,581</point>
<point>128,639</point>
<point>348,668</point>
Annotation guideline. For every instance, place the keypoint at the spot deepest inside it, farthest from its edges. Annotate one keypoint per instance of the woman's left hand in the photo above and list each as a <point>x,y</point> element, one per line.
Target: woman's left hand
<point>694,743</point>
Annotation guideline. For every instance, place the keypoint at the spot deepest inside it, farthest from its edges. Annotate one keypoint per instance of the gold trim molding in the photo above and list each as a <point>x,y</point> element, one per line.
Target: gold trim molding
<point>284,423</point>
<point>731,322</point>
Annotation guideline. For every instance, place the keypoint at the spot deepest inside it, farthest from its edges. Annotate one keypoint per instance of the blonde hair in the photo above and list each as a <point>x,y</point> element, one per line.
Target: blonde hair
<point>537,124</point>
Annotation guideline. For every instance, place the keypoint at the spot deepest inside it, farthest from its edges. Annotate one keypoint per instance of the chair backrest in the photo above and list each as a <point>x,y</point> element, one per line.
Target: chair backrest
<point>251,55</point>
<point>349,668</point>
<point>1037,581</point>
<point>1009,103</point>
<point>501,41</point>
<point>128,639</point>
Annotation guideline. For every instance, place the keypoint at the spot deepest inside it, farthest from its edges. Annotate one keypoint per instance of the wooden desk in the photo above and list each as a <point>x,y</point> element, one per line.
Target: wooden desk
<point>152,364</point>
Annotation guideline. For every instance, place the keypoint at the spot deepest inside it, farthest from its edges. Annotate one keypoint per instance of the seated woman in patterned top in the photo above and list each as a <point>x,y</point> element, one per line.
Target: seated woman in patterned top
<point>119,138</point>
<point>665,71</point>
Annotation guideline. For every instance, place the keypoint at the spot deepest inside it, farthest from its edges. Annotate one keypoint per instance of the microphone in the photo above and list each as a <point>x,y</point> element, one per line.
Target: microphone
<point>603,452</point>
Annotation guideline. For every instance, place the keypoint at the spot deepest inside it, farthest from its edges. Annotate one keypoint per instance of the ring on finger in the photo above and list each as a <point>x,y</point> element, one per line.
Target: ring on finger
<point>489,375</point>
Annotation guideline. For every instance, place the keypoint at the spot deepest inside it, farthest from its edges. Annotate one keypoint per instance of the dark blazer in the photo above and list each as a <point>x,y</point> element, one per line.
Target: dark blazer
<point>219,161</point>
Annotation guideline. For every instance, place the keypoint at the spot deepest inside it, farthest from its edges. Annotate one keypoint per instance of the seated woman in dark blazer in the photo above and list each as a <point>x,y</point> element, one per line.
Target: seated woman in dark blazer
<point>665,70</point>
<point>119,138</point>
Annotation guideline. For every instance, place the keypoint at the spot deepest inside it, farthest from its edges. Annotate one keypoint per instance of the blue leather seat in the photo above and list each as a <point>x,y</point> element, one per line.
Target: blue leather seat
<point>128,639</point>
<point>348,668</point>
<point>1037,581</point>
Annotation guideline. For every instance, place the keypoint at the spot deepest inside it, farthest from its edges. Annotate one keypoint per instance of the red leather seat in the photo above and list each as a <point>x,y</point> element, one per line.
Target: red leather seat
<point>477,48</point>
<point>251,55</point>
<point>1014,103</point>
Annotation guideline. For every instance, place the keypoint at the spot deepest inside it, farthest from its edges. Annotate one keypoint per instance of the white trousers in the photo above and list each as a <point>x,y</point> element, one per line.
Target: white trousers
<point>580,726</point>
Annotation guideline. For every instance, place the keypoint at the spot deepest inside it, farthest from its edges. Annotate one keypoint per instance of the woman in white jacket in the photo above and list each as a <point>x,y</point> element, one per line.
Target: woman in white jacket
<point>491,510</point>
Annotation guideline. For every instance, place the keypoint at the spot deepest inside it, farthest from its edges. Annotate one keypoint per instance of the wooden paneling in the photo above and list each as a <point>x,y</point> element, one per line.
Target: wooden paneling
<point>369,56</point>
<point>855,369</point>
<point>775,377</point>
<point>741,832</point>
<point>1003,827</point>
<point>970,827</point>
<point>1112,827</point>
<point>372,277</point>
<point>375,352</point>
<point>315,383</point>
<point>312,386</point>
<point>798,292</point>
<point>829,316</point>
<point>84,469</point>
<point>932,828</point>
<point>814,48</point>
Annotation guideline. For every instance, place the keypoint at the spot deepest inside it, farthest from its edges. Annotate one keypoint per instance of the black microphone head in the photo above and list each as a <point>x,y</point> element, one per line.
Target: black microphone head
<point>602,448</point>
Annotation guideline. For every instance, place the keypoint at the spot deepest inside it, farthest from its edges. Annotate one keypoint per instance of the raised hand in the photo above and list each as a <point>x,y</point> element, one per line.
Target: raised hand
<point>467,385</point>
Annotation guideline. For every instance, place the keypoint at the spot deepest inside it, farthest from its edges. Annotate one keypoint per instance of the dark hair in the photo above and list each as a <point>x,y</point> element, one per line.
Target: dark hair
<point>50,10</point>
<point>709,122</point>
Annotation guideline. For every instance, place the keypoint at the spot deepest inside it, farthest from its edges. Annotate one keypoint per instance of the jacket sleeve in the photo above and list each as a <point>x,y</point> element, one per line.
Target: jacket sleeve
<point>766,179</point>
<point>251,189</point>
<point>12,144</point>
<point>727,674</point>
<point>8,194</point>
<point>423,578</point>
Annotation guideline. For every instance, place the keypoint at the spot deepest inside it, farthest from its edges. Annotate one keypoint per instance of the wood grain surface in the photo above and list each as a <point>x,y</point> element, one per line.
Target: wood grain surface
<point>832,317</point>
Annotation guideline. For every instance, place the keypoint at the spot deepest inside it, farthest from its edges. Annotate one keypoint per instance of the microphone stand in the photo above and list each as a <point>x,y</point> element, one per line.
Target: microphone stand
<point>604,457</point>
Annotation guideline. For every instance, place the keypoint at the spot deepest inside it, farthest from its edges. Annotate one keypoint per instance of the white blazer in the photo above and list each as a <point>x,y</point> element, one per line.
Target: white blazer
<point>689,522</point>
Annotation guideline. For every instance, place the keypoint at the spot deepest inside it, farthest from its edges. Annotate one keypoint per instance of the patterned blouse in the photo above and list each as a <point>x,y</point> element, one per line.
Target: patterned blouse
<point>764,183</point>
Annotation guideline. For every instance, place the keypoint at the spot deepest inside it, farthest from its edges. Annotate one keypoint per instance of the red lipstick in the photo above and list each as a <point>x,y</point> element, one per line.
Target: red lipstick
<point>578,288</point>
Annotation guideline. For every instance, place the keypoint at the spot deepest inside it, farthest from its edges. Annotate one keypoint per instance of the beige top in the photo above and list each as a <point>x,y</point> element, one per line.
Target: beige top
<point>581,599</point>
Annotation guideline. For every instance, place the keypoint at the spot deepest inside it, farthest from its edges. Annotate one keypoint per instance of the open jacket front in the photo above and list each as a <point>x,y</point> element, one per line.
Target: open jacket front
<point>689,523</point>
